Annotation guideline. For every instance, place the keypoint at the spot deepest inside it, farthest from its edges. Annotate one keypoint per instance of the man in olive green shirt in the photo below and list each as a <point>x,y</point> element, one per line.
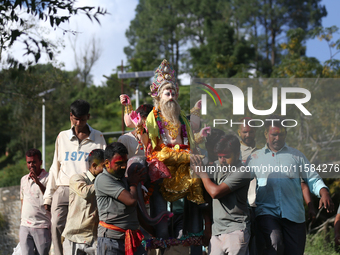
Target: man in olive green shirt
<point>229,188</point>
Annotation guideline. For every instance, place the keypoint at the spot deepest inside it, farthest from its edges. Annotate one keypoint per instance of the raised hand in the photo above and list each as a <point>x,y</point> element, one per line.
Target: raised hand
<point>205,131</point>
<point>198,104</point>
<point>136,118</point>
<point>196,164</point>
<point>125,99</point>
<point>34,177</point>
<point>136,176</point>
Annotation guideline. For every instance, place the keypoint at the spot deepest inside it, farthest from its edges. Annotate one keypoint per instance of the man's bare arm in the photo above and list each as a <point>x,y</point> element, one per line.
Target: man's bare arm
<point>130,198</point>
<point>214,190</point>
<point>308,200</point>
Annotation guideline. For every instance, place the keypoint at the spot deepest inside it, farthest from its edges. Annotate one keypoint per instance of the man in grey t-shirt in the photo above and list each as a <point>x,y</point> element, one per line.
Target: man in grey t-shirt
<point>116,200</point>
<point>229,188</point>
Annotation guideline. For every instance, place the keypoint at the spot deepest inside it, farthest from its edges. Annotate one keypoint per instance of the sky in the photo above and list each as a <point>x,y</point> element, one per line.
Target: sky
<point>317,48</point>
<point>110,37</point>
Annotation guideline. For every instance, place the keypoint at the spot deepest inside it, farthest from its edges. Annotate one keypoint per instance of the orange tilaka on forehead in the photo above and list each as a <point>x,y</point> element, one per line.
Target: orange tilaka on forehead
<point>226,153</point>
<point>117,158</point>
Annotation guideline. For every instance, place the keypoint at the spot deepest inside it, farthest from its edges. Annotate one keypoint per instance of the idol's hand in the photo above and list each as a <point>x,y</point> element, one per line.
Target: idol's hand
<point>125,99</point>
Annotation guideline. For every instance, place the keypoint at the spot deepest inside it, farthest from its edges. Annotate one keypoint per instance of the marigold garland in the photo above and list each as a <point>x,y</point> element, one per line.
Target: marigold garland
<point>158,117</point>
<point>172,128</point>
<point>149,194</point>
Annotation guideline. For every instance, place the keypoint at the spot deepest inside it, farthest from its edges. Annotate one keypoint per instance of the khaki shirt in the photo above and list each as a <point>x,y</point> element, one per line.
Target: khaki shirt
<point>246,151</point>
<point>82,218</point>
<point>33,213</point>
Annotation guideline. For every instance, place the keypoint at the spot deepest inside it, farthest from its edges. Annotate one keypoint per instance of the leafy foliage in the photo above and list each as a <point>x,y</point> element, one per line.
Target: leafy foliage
<point>331,68</point>
<point>223,55</point>
<point>294,63</point>
<point>53,11</point>
<point>12,174</point>
<point>318,244</point>
<point>224,38</point>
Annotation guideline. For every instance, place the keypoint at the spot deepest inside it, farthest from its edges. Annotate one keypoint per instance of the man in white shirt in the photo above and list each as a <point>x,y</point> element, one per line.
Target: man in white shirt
<point>72,148</point>
<point>35,233</point>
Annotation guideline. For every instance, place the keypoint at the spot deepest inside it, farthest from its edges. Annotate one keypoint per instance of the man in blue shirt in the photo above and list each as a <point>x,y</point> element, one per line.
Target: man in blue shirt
<point>280,213</point>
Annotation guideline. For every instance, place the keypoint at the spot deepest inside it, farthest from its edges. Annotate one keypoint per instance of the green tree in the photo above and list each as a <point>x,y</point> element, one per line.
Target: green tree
<point>265,22</point>
<point>315,138</point>
<point>12,23</point>
<point>21,105</point>
<point>331,67</point>
<point>171,26</point>
<point>223,55</point>
<point>294,62</point>
<point>276,17</point>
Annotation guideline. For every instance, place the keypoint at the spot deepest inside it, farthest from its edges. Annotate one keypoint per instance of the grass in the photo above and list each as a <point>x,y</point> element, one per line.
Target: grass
<point>320,244</point>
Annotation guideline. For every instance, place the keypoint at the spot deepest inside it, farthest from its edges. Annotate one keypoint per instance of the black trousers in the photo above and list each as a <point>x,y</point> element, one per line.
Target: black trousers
<point>279,236</point>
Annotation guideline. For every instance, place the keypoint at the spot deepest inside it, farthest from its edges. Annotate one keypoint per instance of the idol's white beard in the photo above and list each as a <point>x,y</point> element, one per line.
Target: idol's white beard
<point>170,110</point>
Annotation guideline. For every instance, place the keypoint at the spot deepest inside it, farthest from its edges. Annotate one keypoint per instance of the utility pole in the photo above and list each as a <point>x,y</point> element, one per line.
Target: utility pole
<point>42,94</point>
<point>122,92</point>
<point>136,75</point>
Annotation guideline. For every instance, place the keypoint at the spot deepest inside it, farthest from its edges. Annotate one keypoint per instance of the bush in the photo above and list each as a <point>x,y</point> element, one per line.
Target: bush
<point>12,174</point>
<point>319,244</point>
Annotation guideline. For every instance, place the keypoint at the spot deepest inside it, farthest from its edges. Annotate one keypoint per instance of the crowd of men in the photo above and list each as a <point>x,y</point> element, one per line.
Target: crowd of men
<point>86,203</point>
<point>278,207</point>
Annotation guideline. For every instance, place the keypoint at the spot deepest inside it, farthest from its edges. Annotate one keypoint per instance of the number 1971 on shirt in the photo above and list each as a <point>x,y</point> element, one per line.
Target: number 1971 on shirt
<point>75,155</point>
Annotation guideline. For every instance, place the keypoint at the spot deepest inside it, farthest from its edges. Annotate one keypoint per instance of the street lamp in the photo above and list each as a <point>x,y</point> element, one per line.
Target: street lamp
<point>42,94</point>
